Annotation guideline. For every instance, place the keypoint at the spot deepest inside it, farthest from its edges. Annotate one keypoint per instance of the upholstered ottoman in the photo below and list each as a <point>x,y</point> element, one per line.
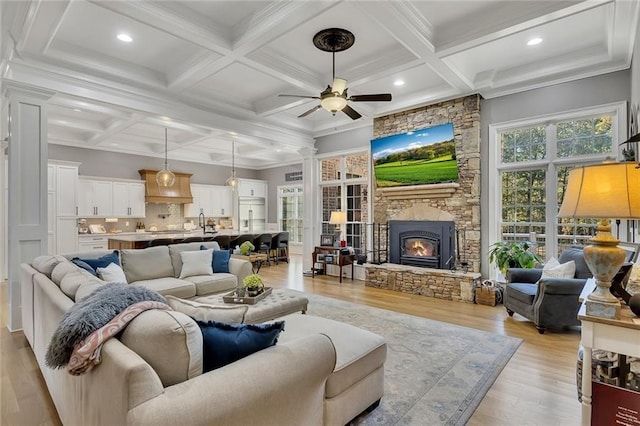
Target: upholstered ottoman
<point>357,381</point>
<point>279,303</point>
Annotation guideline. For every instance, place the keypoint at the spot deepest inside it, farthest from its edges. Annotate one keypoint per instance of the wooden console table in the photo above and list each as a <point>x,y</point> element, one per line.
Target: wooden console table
<point>320,254</point>
<point>620,335</point>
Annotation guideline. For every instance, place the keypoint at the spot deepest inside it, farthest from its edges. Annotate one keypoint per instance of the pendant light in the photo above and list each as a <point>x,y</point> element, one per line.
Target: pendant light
<point>165,177</point>
<point>233,180</point>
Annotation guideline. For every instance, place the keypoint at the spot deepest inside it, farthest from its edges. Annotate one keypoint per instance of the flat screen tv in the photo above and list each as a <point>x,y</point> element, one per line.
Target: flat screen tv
<point>418,157</point>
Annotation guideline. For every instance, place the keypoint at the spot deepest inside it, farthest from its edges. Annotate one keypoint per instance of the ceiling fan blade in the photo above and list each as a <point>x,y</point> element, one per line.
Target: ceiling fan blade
<point>371,98</point>
<point>338,85</point>
<point>314,109</point>
<point>351,112</point>
<point>299,96</point>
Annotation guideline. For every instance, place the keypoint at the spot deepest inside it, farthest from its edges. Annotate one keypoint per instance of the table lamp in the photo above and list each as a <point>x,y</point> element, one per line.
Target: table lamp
<point>602,191</point>
<point>338,218</point>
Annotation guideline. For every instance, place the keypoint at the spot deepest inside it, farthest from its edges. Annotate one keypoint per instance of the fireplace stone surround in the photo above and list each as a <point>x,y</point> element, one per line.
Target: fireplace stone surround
<point>458,202</point>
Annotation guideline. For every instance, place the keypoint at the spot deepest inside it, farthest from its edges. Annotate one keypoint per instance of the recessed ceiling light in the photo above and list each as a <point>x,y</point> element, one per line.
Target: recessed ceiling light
<point>77,110</point>
<point>398,83</point>
<point>125,37</point>
<point>165,118</point>
<point>233,133</point>
<point>534,41</point>
<point>114,144</point>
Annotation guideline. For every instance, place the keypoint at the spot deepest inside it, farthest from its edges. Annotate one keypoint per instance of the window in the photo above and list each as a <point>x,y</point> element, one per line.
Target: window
<point>290,202</point>
<point>530,165</point>
<point>344,187</point>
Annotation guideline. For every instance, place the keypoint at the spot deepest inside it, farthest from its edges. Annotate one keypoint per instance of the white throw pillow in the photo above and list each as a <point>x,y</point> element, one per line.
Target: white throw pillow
<point>112,274</point>
<point>203,312</point>
<point>197,262</point>
<point>554,269</point>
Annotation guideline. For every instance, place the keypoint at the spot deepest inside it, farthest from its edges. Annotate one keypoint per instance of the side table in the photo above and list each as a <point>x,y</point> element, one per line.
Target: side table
<point>256,260</point>
<point>620,335</point>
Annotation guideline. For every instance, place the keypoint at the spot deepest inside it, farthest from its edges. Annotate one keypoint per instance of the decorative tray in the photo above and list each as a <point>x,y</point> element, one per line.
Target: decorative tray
<point>246,300</point>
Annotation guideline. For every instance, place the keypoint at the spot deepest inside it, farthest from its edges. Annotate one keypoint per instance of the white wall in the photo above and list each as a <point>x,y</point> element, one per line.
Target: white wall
<point>275,177</point>
<point>126,166</point>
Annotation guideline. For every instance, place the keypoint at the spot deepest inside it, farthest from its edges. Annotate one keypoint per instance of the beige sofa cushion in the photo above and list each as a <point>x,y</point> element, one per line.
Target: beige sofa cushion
<point>205,313</point>
<point>62,269</point>
<point>45,264</point>
<point>359,352</point>
<point>72,281</point>
<point>216,283</point>
<point>146,264</point>
<point>169,286</point>
<point>169,341</point>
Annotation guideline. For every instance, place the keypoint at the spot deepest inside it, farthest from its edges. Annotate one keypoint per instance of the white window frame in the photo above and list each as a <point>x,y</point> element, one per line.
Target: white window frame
<point>618,110</point>
<point>344,181</point>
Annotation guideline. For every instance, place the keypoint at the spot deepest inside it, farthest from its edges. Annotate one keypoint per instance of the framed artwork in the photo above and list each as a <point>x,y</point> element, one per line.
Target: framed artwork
<point>326,239</point>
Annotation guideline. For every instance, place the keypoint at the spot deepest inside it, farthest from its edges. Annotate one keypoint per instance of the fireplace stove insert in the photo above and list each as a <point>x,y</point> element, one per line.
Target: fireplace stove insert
<point>429,244</point>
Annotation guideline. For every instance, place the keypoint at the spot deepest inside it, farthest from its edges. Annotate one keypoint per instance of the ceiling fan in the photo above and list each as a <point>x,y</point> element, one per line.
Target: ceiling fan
<point>334,98</point>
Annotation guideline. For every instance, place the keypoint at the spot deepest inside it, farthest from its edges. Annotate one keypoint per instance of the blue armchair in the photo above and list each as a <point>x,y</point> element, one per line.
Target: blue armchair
<point>549,302</point>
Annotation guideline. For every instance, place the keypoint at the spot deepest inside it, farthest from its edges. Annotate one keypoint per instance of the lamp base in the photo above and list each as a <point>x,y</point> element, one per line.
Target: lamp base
<point>596,308</point>
<point>604,258</point>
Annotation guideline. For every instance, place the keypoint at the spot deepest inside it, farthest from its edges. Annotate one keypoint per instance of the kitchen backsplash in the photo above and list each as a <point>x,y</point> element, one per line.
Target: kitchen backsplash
<point>162,216</point>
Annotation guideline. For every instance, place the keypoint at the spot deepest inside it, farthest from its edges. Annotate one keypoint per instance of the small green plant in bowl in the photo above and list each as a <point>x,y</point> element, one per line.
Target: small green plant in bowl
<point>253,284</point>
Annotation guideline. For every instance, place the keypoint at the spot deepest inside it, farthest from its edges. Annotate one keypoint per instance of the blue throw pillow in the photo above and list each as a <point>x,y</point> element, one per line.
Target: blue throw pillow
<point>84,265</point>
<point>100,262</point>
<point>219,260</point>
<point>226,343</point>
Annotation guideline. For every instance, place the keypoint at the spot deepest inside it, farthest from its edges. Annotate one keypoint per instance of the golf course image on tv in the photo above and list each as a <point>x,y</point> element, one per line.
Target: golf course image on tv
<point>415,158</point>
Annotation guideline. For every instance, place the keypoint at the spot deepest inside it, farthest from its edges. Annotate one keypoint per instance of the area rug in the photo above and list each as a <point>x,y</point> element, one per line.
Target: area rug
<point>435,373</point>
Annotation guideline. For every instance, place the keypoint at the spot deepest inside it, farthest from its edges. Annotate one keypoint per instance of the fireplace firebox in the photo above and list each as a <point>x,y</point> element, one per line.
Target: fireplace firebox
<point>424,243</point>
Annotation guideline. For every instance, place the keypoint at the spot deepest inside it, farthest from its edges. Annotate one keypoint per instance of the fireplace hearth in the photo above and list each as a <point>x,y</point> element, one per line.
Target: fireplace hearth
<point>425,243</point>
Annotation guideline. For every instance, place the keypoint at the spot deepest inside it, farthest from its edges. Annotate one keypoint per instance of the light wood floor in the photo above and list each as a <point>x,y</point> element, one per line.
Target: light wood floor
<point>537,387</point>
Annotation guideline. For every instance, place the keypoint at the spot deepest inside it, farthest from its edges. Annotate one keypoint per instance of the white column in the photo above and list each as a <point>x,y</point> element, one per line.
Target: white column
<point>310,227</point>
<point>27,213</point>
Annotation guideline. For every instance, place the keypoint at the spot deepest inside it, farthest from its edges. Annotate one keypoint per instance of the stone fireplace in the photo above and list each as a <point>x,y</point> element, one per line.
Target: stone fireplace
<point>424,243</point>
<point>427,270</point>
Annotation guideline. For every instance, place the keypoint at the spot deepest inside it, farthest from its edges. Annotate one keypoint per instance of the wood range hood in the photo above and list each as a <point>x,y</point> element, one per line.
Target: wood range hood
<point>178,193</point>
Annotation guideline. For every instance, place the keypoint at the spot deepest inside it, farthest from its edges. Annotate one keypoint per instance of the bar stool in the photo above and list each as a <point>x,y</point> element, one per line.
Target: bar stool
<point>262,244</point>
<point>224,241</point>
<point>192,240</point>
<point>283,247</point>
<point>160,242</point>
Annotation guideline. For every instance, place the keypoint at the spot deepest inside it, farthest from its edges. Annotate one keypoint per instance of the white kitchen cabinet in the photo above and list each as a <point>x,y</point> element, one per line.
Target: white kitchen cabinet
<point>128,199</point>
<point>51,222</point>
<point>222,201</point>
<point>62,205</point>
<point>212,200</point>
<point>66,187</point>
<point>252,188</point>
<point>66,235</point>
<point>95,198</point>
<point>92,242</point>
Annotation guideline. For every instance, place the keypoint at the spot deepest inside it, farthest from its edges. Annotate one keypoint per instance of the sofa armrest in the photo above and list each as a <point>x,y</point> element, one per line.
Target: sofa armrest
<point>250,390</point>
<point>240,268</point>
<point>523,275</point>
<point>562,286</point>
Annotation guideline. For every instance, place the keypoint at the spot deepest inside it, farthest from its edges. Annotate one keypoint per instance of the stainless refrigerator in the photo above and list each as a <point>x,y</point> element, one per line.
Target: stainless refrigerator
<point>252,215</point>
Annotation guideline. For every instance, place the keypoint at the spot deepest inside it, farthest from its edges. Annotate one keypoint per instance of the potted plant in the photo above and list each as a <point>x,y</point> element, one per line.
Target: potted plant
<point>509,254</point>
<point>253,284</point>
<point>246,248</point>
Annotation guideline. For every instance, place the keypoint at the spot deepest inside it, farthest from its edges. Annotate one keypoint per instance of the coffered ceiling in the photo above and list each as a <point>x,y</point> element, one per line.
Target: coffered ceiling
<point>211,71</point>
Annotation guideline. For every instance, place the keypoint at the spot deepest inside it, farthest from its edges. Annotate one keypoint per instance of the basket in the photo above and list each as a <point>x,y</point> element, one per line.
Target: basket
<point>486,294</point>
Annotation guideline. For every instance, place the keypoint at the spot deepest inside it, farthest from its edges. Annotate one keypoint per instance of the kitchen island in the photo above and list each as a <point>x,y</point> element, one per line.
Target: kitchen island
<point>143,239</point>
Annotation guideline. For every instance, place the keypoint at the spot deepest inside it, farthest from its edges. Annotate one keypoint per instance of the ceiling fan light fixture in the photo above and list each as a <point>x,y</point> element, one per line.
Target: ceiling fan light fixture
<point>165,177</point>
<point>333,103</point>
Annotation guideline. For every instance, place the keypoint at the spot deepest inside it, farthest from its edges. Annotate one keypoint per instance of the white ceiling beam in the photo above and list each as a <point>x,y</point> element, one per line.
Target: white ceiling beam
<point>116,127</point>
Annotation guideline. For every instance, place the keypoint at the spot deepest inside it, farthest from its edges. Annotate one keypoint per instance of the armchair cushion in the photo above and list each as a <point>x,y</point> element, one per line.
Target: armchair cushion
<point>577,255</point>
<point>523,292</point>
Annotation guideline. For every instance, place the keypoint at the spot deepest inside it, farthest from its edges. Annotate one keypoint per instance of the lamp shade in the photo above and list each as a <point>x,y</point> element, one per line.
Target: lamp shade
<point>338,218</point>
<point>609,190</point>
<point>333,102</point>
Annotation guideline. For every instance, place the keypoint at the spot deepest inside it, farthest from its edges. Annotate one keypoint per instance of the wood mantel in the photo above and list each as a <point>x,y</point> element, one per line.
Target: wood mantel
<point>436,190</point>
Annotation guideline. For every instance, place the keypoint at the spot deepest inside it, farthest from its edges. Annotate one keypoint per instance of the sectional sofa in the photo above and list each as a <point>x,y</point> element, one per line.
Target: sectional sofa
<point>152,373</point>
